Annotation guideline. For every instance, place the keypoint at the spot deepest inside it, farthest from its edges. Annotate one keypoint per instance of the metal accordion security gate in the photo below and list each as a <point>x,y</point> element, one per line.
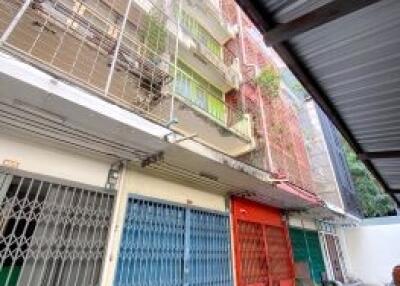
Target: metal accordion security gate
<point>51,232</point>
<point>167,244</point>
<point>262,250</point>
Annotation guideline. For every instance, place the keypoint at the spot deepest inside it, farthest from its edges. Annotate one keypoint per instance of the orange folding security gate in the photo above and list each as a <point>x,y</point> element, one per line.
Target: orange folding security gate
<point>262,248</point>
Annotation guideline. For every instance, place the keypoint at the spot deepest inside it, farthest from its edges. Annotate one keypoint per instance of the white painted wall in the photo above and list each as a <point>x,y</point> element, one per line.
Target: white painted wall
<point>373,249</point>
<point>148,185</point>
<point>55,162</point>
<point>298,221</point>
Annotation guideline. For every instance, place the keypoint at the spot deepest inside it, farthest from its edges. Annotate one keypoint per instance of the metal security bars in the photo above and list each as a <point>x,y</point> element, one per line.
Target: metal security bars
<point>253,256</point>
<point>338,158</point>
<point>119,49</point>
<point>123,50</point>
<point>209,249</point>
<point>126,52</point>
<point>152,245</point>
<point>307,250</point>
<point>165,244</point>
<point>262,248</point>
<point>264,254</point>
<point>51,233</point>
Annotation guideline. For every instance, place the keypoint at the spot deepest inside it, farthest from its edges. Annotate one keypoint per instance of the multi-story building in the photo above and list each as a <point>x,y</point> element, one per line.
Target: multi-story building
<point>137,147</point>
<point>317,242</point>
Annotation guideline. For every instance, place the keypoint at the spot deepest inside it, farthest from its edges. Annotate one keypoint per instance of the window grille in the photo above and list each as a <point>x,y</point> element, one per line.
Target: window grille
<point>165,244</point>
<point>51,233</point>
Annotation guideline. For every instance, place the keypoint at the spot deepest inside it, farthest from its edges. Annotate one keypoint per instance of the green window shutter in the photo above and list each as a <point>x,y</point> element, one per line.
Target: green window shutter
<point>299,245</point>
<point>307,248</point>
<point>318,265</point>
<point>199,33</point>
<point>216,108</point>
<point>200,92</point>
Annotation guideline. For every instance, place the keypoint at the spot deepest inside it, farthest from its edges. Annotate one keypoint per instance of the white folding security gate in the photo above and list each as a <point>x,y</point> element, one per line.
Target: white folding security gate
<point>51,233</point>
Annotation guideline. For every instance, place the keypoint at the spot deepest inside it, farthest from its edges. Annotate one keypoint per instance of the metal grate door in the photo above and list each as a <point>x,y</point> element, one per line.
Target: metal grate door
<point>51,233</point>
<point>307,249</point>
<point>332,243</point>
<point>253,255</point>
<point>164,244</point>
<point>262,249</point>
<point>152,245</point>
<point>280,263</point>
<point>209,249</point>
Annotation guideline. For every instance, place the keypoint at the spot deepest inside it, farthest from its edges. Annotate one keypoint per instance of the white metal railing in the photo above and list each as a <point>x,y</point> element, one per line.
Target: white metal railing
<point>197,95</point>
<point>115,48</point>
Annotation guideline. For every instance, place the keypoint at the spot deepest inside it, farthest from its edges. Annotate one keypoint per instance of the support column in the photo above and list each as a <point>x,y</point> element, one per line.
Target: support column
<point>110,259</point>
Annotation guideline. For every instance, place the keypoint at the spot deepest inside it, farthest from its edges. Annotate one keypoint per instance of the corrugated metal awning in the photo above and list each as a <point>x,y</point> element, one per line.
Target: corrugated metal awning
<point>347,55</point>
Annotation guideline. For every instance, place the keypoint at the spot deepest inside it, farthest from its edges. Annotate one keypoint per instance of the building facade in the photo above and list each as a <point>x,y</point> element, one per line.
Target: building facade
<point>136,146</point>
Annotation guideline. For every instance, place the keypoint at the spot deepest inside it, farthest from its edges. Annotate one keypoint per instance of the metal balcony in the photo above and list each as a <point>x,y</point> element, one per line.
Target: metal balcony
<point>122,53</point>
<point>214,61</point>
<point>209,14</point>
<point>223,70</point>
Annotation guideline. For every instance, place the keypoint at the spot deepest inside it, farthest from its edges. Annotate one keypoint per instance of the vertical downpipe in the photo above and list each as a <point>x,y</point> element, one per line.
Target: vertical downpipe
<point>265,131</point>
<point>242,53</point>
<point>178,30</point>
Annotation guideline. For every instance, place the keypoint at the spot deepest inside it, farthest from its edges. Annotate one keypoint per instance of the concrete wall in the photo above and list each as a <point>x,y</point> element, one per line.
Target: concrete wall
<point>50,161</point>
<point>373,249</point>
<point>296,221</point>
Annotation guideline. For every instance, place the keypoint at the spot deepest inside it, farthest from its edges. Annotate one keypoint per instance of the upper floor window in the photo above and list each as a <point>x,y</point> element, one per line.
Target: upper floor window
<point>200,92</point>
<point>199,33</point>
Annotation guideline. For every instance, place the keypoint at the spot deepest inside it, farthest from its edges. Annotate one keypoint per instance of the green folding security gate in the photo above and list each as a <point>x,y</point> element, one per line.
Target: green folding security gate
<point>164,244</point>
<point>307,248</point>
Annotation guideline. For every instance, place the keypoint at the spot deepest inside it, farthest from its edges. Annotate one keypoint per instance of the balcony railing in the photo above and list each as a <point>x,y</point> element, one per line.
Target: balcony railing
<point>120,53</point>
<point>117,51</point>
<point>195,94</point>
<point>226,62</point>
<point>214,8</point>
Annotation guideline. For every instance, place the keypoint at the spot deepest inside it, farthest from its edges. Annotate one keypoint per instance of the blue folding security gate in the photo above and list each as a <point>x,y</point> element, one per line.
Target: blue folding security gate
<point>165,244</point>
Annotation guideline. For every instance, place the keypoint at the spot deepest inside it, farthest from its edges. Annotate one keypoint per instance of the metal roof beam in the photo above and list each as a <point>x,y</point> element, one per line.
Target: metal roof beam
<point>314,19</point>
<point>379,155</point>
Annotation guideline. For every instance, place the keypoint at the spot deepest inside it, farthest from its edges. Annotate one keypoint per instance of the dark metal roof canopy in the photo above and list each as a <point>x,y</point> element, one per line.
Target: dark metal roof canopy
<point>347,55</point>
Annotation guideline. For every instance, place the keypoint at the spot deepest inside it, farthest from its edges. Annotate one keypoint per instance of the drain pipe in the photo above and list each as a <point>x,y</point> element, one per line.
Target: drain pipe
<point>178,30</point>
<point>265,131</point>
<point>242,54</point>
